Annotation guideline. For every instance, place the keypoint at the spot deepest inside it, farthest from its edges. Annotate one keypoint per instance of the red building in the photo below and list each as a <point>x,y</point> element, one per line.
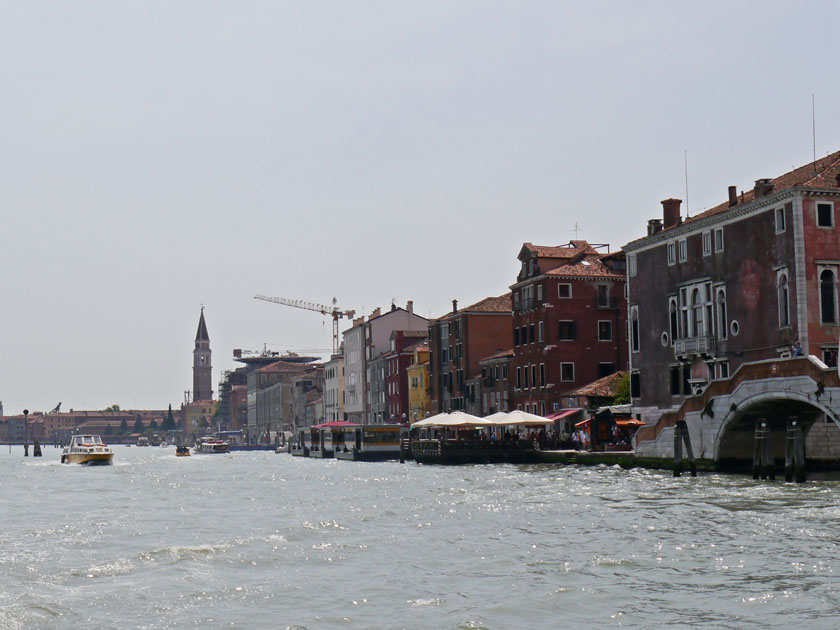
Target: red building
<point>399,358</point>
<point>569,311</point>
<point>739,283</point>
<point>458,342</point>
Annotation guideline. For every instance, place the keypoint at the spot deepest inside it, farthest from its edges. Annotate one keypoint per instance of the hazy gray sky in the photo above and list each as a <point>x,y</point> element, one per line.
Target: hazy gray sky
<point>159,155</point>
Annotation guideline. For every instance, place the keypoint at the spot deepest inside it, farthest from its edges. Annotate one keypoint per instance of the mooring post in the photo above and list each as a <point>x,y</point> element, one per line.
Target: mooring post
<point>678,464</point>
<point>688,450</point>
<point>790,446</point>
<point>36,449</point>
<point>757,450</point>
<point>769,468</point>
<point>799,455</point>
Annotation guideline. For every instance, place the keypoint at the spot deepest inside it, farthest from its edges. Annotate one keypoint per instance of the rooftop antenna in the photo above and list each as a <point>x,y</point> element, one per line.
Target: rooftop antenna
<point>814,129</point>
<point>576,230</point>
<point>687,212</point>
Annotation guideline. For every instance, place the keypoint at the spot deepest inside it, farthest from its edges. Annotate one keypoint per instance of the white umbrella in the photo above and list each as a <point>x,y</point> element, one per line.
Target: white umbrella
<point>454,419</point>
<point>519,417</point>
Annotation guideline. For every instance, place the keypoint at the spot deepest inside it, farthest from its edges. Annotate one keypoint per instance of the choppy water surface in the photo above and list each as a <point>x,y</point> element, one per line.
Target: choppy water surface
<point>258,540</point>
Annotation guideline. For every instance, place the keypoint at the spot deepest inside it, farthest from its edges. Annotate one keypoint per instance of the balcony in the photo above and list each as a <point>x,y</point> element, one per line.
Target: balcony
<point>694,346</point>
<point>523,305</point>
<point>606,302</point>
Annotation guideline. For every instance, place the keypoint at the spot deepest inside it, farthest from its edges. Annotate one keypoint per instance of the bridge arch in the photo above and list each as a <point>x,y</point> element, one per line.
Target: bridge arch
<point>736,433</point>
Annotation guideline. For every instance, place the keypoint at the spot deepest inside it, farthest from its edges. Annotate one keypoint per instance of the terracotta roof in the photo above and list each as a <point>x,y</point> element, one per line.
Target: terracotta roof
<point>283,367</point>
<point>499,355</point>
<point>820,174</point>
<point>602,387</point>
<point>569,250</point>
<point>589,266</point>
<point>500,304</point>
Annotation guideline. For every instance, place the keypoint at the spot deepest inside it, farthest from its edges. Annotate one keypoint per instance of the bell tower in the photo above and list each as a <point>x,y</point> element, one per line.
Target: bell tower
<point>202,369</point>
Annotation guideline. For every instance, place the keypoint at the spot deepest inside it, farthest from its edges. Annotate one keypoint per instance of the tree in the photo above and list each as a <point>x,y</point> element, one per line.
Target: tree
<point>124,426</point>
<point>109,429</point>
<point>169,422</point>
<point>622,390</point>
<point>153,425</point>
<point>112,408</point>
<point>138,425</point>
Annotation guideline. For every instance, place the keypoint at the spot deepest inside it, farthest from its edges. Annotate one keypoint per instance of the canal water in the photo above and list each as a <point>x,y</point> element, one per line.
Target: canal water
<point>258,540</point>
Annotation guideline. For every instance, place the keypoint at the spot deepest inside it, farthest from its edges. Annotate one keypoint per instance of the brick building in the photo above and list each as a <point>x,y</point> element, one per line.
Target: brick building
<point>569,311</point>
<point>458,342</point>
<point>738,283</point>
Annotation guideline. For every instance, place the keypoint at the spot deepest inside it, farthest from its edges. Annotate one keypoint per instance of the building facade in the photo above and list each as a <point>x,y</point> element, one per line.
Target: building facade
<point>459,341</point>
<point>569,313</point>
<point>417,375</point>
<point>334,388</point>
<point>739,283</point>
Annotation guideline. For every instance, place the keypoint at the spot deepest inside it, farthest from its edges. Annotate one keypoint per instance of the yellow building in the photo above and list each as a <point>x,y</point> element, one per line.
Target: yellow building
<point>198,417</point>
<point>418,384</point>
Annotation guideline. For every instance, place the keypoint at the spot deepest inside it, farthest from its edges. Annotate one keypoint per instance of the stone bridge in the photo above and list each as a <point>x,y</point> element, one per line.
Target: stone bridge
<point>722,420</point>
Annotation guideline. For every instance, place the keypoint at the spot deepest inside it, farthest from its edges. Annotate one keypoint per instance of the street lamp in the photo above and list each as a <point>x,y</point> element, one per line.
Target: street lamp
<point>26,432</point>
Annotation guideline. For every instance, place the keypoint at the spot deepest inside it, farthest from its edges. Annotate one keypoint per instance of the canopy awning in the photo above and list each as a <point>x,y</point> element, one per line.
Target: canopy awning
<point>335,424</point>
<point>564,413</point>
<point>629,423</point>
<point>583,423</point>
<point>454,419</point>
<point>517,417</point>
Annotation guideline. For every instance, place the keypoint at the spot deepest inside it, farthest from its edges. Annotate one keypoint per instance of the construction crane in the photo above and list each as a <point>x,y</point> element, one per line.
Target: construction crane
<point>333,311</point>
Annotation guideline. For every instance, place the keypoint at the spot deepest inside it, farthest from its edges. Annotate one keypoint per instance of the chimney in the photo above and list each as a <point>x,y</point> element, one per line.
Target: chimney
<point>654,226</point>
<point>671,213</point>
<point>376,313</point>
<point>733,196</point>
<point>763,187</point>
<point>410,307</point>
<point>454,306</point>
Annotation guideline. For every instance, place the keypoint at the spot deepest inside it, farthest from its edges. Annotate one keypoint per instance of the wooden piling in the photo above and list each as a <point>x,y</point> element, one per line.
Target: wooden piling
<point>678,454</point>
<point>768,465</point>
<point>790,446</point>
<point>758,444</point>
<point>799,456</point>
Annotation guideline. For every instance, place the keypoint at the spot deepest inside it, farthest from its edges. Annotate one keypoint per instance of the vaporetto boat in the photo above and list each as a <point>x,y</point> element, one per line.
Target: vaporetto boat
<point>88,450</point>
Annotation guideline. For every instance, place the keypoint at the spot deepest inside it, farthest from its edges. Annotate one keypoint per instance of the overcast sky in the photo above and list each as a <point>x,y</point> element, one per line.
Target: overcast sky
<point>155,156</point>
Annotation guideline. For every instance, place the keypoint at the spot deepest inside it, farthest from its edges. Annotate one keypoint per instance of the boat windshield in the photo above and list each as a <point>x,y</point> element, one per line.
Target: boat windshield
<point>89,439</point>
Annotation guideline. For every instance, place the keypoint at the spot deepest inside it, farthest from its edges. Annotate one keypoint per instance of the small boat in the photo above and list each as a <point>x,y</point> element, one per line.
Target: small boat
<point>208,445</point>
<point>182,451</point>
<point>142,441</point>
<point>87,450</point>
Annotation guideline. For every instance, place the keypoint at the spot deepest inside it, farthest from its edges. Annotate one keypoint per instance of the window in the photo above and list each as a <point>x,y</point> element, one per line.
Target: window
<point>635,385</point>
<point>542,374</point>
<point>721,312</point>
<point>539,293</point>
<point>682,250</point>
<point>603,295</point>
<point>825,215</point>
<point>676,380</point>
<point>780,220</point>
<point>533,375</point>
<point>783,295</point>
<point>518,378</point>
<point>634,328</point>
<point>604,330</point>
<point>567,331</point>
<point>605,369</point>
<point>696,310</point>
<point>523,335</point>
<point>567,371</point>
<point>516,337</point>
<point>541,332</point>
<point>828,297</point>
<point>672,318</point>
<point>718,239</point>
<point>707,243</point>
<point>526,383</point>
<point>672,256</point>
<point>531,335</point>
<point>564,291</point>
<point>631,264</point>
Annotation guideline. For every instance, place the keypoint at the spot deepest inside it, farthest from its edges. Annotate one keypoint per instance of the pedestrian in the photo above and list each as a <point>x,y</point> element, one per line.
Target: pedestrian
<point>797,349</point>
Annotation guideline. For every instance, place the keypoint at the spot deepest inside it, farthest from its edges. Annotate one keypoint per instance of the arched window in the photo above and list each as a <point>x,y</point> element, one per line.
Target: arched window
<point>635,342</point>
<point>697,307</point>
<point>723,325</point>
<point>675,334</point>
<point>784,311</point>
<point>828,297</point>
